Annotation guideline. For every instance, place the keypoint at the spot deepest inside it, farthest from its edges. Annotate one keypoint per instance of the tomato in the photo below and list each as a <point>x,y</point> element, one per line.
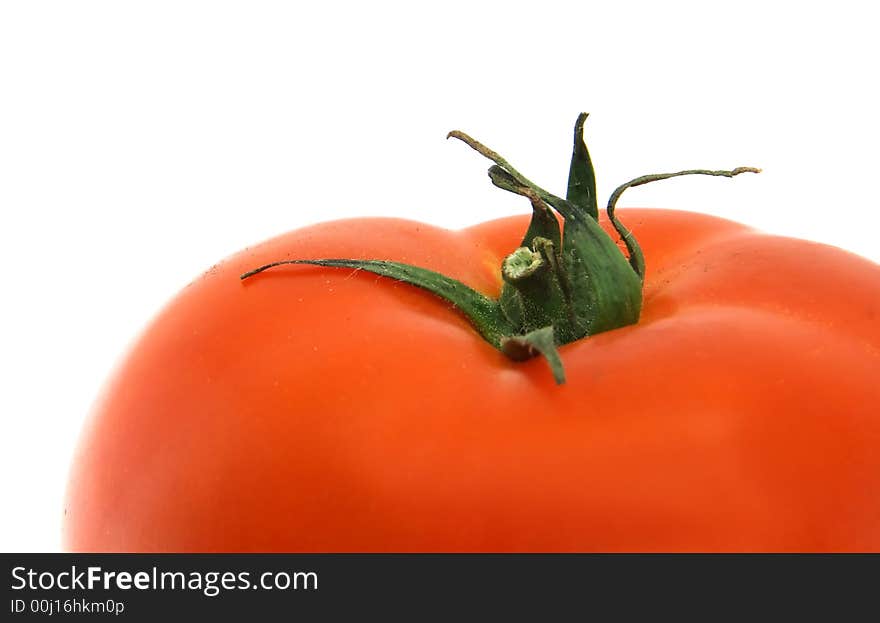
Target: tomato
<point>320,409</point>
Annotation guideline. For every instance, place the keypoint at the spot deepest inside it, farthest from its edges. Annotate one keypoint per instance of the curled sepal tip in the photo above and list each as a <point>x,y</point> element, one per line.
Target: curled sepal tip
<point>636,258</point>
<point>506,177</point>
<point>538,342</point>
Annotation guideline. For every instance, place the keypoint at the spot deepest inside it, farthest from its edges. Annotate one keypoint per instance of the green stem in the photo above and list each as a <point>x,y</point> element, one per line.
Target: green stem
<point>535,294</point>
<point>560,285</point>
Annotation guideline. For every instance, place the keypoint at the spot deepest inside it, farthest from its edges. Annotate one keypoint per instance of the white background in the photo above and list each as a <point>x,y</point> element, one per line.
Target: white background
<point>140,142</point>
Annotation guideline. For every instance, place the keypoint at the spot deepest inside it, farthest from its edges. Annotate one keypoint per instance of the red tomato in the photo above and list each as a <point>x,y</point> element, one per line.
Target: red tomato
<point>319,409</point>
<point>314,409</point>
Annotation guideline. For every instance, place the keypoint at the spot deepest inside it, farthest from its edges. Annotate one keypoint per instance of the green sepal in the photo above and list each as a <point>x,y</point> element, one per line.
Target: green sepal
<point>517,181</point>
<point>636,257</point>
<point>581,176</point>
<point>538,342</point>
<point>484,313</point>
<point>544,223</point>
<point>606,292</point>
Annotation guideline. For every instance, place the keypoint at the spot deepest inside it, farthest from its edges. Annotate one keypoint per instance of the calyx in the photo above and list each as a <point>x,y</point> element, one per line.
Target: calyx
<point>560,284</point>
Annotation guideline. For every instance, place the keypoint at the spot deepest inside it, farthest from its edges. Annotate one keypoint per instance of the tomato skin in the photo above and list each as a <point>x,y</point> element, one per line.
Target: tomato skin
<point>314,409</point>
